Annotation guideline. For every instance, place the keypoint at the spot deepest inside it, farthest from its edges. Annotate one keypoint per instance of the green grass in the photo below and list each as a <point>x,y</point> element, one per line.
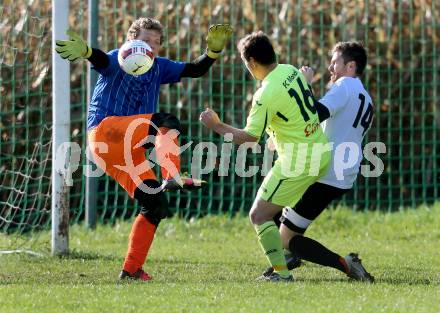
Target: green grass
<point>209,265</point>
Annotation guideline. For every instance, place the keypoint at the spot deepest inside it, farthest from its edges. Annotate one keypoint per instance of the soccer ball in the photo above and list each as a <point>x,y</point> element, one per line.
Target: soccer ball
<point>135,57</point>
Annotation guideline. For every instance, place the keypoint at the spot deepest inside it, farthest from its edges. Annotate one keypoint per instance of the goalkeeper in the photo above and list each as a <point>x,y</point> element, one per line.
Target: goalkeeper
<point>283,107</point>
<point>120,104</point>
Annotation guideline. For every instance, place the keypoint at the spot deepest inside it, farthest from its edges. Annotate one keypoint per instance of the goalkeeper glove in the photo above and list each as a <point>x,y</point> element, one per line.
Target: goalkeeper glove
<point>74,48</point>
<point>217,36</point>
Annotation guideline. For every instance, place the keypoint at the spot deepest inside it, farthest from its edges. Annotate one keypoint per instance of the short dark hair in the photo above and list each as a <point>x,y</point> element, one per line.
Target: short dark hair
<point>352,51</point>
<point>258,46</point>
<point>144,23</point>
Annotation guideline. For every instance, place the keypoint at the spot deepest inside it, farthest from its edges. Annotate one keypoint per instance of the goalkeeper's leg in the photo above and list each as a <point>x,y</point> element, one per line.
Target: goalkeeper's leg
<point>154,208</point>
<point>112,131</point>
<point>167,130</point>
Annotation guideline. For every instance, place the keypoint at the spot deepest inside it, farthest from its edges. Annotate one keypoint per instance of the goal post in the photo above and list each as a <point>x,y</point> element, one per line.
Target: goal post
<point>91,196</point>
<point>60,131</point>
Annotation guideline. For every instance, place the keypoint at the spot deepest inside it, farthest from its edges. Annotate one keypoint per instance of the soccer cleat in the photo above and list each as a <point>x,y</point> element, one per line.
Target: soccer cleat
<point>185,183</point>
<point>138,275</point>
<point>275,278</point>
<point>357,271</point>
<point>292,262</point>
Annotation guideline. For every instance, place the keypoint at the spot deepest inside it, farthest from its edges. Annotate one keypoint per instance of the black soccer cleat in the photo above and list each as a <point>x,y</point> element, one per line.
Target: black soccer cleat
<point>184,183</point>
<point>357,270</point>
<point>138,275</point>
<point>276,278</point>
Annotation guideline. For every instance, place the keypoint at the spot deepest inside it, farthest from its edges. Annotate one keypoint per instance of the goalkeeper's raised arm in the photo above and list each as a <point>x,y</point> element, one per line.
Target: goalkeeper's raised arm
<point>76,48</point>
<point>73,49</point>
<point>217,37</point>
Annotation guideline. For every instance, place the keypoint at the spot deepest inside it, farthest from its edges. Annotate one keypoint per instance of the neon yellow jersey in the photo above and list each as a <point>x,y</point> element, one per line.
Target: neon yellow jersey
<point>284,107</point>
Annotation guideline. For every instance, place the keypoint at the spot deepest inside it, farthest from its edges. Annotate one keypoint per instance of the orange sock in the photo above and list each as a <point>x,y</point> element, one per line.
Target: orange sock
<point>168,152</point>
<point>141,237</point>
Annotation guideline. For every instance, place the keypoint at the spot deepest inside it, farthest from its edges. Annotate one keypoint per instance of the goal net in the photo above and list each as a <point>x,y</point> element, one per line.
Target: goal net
<point>25,121</point>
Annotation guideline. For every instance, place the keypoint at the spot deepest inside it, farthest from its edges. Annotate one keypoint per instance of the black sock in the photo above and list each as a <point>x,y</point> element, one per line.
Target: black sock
<point>312,251</point>
<point>277,217</point>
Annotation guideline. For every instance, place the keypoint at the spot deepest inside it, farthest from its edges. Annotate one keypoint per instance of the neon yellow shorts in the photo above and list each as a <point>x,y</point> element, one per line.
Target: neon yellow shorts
<point>285,191</point>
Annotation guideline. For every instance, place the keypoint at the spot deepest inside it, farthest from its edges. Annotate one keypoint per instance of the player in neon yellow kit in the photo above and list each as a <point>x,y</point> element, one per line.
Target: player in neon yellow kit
<point>284,107</point>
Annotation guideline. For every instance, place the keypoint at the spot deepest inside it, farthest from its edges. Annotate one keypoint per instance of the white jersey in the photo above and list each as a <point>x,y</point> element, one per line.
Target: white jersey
<point>351,113</point>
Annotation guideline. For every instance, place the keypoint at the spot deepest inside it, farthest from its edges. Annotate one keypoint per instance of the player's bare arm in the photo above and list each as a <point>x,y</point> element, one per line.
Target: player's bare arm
<point>210,119</point>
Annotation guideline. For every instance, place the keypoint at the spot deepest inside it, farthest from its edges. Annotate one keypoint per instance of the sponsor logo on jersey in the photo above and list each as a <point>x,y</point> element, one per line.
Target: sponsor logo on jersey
<point>310,129</point>
<point>290,79</point>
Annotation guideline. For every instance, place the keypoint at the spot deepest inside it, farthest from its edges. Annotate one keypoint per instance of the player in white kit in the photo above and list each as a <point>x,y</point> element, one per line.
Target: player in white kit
<point>346,113</point>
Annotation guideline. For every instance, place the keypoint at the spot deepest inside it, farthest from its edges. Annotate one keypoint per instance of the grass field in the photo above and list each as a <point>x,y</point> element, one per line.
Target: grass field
<point>209,265</point>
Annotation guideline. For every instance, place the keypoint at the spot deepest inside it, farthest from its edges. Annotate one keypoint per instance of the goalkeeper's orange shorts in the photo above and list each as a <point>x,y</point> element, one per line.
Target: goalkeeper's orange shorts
<point>118,146</point>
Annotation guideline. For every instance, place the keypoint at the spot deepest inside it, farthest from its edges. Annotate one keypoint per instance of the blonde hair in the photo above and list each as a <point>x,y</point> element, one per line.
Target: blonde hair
<point>144,23</point>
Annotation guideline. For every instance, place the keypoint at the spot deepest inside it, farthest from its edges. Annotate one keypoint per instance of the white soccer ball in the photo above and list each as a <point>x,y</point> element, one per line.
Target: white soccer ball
<point>135,57</point>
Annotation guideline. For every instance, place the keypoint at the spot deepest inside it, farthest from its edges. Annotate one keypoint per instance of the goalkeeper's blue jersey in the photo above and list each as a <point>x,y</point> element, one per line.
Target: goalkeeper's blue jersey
<point>120,94</point>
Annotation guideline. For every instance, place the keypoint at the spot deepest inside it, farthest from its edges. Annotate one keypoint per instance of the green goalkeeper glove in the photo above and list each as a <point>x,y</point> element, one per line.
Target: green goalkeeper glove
<point>217,36</point>
<point>74,48</point>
